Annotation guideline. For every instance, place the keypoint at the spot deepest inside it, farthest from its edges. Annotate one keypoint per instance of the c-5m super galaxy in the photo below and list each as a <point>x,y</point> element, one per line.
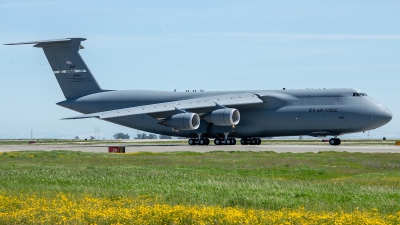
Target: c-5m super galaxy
<point>222,115</point>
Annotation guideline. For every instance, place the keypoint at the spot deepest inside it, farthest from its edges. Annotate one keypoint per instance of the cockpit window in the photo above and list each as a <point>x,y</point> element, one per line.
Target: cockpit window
<point>359,94</point>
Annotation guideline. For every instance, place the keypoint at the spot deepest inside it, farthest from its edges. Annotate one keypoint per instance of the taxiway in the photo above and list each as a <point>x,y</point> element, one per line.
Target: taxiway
<point>176,148</point>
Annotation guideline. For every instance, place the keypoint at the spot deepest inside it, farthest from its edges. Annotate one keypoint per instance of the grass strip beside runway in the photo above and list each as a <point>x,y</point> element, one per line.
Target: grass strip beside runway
<point>311,184</point>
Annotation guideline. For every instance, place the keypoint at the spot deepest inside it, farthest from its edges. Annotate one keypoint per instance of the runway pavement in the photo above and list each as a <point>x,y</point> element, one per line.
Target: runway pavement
<point>169,148</point>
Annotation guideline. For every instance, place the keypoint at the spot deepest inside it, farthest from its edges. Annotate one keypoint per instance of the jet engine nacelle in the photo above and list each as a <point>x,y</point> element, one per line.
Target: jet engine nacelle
<point>183,121</point>
<point>223,117</point>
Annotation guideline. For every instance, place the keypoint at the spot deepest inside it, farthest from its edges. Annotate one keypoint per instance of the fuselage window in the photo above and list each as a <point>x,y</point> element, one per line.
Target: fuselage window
<point>359,94</point>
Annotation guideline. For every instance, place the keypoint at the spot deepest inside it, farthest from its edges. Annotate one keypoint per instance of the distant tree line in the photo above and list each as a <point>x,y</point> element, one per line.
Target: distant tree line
<point>146,136</point>
<point>121,136</point>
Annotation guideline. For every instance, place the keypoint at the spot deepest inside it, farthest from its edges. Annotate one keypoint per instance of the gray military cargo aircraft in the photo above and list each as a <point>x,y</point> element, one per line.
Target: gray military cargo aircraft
<point>222,115</point>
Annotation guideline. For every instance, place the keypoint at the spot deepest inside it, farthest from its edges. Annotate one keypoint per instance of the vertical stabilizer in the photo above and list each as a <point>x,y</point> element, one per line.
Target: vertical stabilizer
<point>73,76</point>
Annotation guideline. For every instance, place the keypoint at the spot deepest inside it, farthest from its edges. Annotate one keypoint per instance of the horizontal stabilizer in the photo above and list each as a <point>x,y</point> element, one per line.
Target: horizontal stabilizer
<point>49,42</point>
<point>37,42</point>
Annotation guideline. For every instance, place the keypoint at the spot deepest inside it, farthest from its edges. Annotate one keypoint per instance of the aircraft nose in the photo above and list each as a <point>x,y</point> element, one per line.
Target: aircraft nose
<point>386,115</point>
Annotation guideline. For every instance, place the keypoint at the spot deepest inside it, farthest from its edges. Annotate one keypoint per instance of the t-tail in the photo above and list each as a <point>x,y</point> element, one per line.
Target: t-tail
<point>73,76</point>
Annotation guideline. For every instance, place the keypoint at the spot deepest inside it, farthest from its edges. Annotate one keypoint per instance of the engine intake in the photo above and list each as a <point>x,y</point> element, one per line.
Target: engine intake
<point>223,117</point>
<point>183,121</point>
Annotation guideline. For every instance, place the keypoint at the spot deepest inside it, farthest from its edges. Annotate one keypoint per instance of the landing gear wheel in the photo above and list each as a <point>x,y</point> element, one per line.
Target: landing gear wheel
<point>254,141</point>
<point>206,141</point>
<point>258,141</point>
<point>217,141</point>
<point>228,141</point>
<point>233,141</point>
<point>202,142</point>
<point>191,142</point>
<point>243,141</point>
<point>335,141</point>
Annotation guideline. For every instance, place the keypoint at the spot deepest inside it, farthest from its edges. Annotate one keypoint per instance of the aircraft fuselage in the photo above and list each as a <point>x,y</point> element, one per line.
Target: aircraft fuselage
<point>314,112</point>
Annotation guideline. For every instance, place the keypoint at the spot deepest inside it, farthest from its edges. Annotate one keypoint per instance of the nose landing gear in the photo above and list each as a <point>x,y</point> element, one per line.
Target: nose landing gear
<point>335,141</point>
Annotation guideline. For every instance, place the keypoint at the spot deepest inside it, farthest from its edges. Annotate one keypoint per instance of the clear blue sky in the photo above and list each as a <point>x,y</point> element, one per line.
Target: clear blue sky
<point>210,45</point>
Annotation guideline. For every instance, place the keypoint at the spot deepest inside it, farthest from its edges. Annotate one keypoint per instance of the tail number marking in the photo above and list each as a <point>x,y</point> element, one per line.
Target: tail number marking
<point>79,79</point>
<point>69,71</point>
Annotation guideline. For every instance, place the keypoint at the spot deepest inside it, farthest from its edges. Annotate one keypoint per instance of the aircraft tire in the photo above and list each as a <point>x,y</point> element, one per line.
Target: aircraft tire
<point>233,141</point>
<point>207,141</point>
<point>254,141</point>
<point>335,141</point>
<point>202,142</point>
<point>217,141</point>
<point>228,141</point>
<point>258,141</point>
<point>243,141</point>
<point>191,141</point>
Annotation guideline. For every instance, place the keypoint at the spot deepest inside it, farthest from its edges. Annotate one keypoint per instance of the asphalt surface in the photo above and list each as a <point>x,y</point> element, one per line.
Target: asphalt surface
<point>169,148</point>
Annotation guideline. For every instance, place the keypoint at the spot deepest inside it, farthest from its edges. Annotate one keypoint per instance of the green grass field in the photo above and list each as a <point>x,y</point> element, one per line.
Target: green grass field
<point>260,180</point>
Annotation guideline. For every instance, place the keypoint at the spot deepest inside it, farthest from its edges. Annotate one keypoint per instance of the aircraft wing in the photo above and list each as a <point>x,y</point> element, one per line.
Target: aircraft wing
<point>206,102</point>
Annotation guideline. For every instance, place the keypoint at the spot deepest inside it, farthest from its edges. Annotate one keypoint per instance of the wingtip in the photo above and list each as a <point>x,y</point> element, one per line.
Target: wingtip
<point>81,117</point>
<point>68,118</point>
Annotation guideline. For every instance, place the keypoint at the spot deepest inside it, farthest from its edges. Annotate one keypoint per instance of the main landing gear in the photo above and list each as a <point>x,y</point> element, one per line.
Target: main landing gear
<point>202,141</point>
<point>335,141</point>
<point>222,141</point>
<point>250,141</point>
